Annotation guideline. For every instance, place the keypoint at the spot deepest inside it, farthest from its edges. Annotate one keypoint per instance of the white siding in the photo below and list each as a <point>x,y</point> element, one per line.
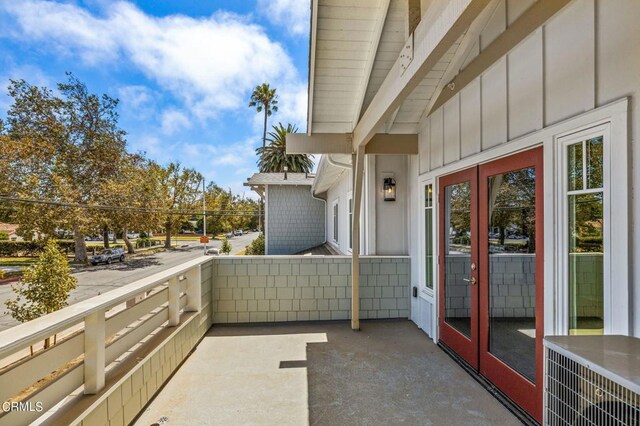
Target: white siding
<point>391,217</point>
<point>585,57</point>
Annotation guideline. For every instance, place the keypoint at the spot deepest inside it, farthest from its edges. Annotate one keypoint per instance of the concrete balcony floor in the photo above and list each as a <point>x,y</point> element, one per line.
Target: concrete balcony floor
<point>322,374</point>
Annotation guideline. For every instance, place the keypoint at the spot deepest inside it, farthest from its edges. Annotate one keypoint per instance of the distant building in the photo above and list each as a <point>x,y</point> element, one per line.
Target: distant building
<point>294,220</point>
<point>12,230</point>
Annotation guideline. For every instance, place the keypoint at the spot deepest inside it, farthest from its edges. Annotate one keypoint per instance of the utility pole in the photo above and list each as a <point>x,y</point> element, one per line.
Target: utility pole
<point>204,215</point>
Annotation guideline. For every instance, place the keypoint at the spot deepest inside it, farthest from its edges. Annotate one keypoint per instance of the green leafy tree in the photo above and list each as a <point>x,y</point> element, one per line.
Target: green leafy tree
<point>226,246</point>
<point>64,147</point>
<point>44,288</point>
<point>180,192</point>
<point>4,236</point>
<point>274,157</point>
<point>264,99</point>
<point>135,189</point>
<point>256,248</point>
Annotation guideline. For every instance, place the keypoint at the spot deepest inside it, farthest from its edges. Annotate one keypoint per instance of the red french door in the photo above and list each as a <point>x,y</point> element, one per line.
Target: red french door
<point>491,273</point>
<point>458,306</point>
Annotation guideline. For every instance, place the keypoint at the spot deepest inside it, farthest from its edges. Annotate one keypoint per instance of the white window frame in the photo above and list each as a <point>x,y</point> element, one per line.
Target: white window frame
<point>615,291</point>
<point>335,232</point>
<point>350,221</point>
<point>423,244</point>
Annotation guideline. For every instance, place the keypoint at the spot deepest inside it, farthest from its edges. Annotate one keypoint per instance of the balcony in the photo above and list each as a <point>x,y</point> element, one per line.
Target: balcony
<point>180,347</point>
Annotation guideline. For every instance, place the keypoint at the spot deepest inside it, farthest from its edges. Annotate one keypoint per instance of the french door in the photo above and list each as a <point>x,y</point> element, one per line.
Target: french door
<point>491,273</point>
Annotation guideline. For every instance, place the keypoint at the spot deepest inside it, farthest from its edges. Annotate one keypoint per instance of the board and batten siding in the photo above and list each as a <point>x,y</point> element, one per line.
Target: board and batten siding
<point>586,56</point>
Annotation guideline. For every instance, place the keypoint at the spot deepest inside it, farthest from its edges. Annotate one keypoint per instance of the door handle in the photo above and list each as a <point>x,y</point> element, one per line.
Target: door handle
<point>472,280</point>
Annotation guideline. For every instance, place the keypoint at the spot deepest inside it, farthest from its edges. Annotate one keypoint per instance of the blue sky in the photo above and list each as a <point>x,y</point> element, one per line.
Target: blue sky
<point>182,69</point>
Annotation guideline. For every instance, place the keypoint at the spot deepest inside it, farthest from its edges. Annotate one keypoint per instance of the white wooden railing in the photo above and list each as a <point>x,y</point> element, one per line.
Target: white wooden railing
<point>95,333</point>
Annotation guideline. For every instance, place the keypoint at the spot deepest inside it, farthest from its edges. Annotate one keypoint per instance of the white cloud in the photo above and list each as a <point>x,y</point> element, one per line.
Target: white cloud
<point>139,101</point>
<point>210,64</point>
<point>291,14</point>
<point>173,121</point>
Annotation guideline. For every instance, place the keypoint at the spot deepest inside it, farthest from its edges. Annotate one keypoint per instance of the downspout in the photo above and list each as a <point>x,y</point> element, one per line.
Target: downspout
<point>325,214</point>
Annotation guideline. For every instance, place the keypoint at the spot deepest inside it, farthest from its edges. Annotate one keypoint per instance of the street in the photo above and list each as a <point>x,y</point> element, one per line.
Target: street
<point>95,280</point>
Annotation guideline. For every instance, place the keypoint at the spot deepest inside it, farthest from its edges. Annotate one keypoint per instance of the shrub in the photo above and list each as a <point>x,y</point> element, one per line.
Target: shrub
<point>44,288</point>
<point>4,236</point>
<point>1,274</point>
<point>256,248</point>
<point>226,246</point>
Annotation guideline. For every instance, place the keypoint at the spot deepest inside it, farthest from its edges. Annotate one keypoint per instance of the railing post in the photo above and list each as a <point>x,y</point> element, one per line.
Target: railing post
<point>174,301</point>
<point>194,289</point>
<point>94,352</point>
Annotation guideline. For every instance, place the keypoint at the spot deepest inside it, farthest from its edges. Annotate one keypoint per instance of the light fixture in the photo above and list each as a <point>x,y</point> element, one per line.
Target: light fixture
<point>389,189</point>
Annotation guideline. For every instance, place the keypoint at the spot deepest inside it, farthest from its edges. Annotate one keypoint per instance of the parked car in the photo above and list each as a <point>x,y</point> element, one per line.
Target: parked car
<point>107,256</point>
<point>237,232</point>
<point>133,235</point>
<point>230,234</point>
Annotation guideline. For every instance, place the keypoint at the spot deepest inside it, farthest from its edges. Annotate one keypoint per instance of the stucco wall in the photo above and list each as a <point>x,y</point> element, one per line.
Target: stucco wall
<point>295,220</point>
<point>271,289</point>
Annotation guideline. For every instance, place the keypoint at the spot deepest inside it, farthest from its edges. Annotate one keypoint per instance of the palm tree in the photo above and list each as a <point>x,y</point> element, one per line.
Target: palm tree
<point>274,157</point>
<point>264,99</point>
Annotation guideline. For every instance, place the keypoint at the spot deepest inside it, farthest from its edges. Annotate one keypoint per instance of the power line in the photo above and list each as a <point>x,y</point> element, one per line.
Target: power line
<point>101,207</point>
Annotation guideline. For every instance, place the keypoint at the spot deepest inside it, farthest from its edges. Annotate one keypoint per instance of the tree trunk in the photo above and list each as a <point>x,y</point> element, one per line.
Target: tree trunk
<point>167,238</point>
<point>105,237</point>
<point>130,248</point>
<point>264,132</point>
<point>80,246</point>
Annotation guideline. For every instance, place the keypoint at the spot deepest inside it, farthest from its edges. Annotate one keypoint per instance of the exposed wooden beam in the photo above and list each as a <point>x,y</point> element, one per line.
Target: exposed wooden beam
<point>312,62</point>
<point>469,40</point>
<point>340,143</point>
<point>539,13</point>
<point>393,144</point>
<point>431,40</point>
<point>391,120</point>
<point>319,143</point>
<point>383,6</point>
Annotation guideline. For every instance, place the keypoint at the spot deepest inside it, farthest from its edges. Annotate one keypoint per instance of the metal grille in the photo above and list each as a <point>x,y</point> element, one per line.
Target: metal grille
<point>576,395</point>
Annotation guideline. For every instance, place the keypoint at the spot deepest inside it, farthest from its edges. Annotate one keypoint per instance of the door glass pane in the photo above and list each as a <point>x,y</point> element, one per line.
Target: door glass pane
<point>595,159</point>
<point>512,269</point>
<point>586,273</point>
<point>574,166</point>
<point>458,257</point>
<point>428,231</point>
<point>428,226</point>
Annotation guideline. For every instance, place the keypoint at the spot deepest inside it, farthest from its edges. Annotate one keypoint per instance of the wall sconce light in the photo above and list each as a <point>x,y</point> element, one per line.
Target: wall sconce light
<point>389,189</point>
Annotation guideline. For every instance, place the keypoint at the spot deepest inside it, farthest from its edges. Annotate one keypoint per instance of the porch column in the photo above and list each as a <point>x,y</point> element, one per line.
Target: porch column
<point>357,168</point>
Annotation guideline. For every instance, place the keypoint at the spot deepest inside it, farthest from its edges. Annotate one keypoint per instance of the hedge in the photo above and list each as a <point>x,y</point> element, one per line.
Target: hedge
<point>30,248</point>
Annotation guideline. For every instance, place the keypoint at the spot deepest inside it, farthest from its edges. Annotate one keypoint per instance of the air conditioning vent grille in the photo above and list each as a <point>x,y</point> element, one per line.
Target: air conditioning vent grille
<point>577,395</point>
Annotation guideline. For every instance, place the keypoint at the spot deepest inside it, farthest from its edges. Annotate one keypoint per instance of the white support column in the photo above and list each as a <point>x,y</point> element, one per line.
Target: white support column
<point>174,302</point>
<point>357,165</point>
<point>194,289</point>
<point>94,352</point>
